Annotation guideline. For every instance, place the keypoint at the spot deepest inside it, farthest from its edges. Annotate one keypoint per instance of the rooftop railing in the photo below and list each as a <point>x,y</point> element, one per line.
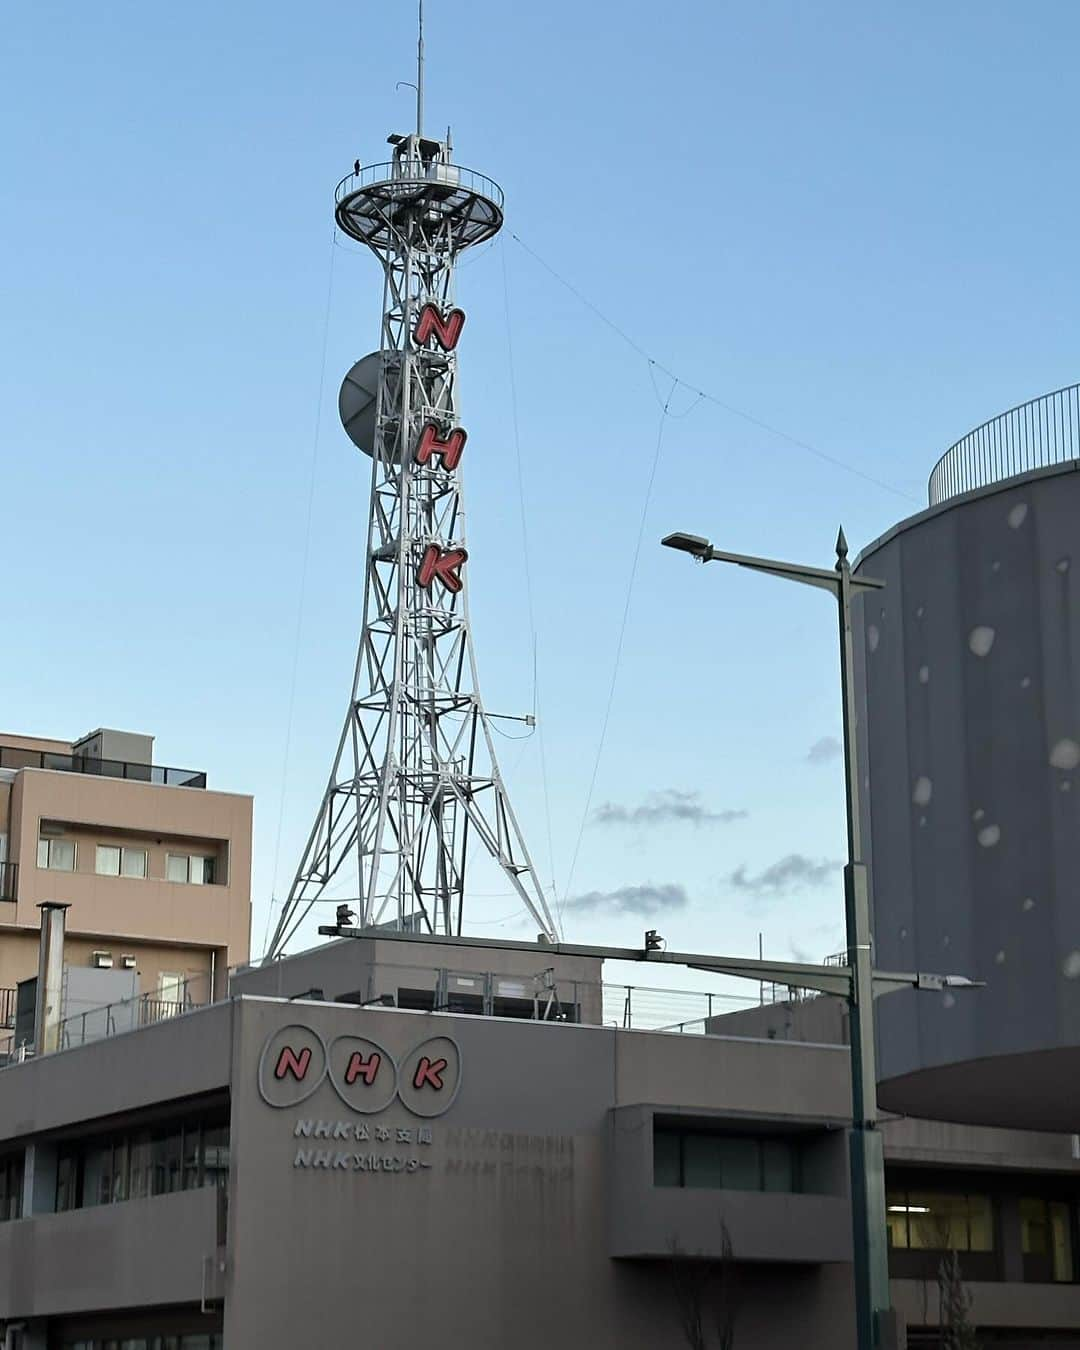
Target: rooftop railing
<point>15,757</point>
<point>1035,435</point>
<point>414,171</point>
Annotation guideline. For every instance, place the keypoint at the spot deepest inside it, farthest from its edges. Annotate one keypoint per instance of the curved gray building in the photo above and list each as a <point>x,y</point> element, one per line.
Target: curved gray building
<point>968,683</point>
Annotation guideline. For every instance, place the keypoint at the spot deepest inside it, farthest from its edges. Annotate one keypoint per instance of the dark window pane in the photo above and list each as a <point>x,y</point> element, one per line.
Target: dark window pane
<point>216,1156</point>
<point>666,1166</point>
<point>702,1162</point>
<point>166,1159</point>
<point>778,1166</point>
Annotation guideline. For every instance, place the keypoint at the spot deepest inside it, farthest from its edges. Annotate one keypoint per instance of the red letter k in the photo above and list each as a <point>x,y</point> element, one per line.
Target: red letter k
<point>429,1073</point>
<point>436,563</point>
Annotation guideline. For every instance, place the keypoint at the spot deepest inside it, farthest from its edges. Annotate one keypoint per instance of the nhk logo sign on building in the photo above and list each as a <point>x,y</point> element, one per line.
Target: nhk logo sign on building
<point>296,1061</point>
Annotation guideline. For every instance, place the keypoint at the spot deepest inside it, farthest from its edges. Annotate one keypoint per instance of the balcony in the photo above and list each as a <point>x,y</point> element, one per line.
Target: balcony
<point>13,757</point>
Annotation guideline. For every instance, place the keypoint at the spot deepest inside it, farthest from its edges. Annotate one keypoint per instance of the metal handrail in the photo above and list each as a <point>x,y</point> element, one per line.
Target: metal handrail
<point>15,757</point>
<point>1038,434</point>
<point>446,175</point>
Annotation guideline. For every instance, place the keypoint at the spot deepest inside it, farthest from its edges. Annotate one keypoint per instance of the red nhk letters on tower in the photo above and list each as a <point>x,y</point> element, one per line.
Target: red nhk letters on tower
<point>444,328</point>
<point>442,563</point>
<point>430,444</point>
<point>437,562</point>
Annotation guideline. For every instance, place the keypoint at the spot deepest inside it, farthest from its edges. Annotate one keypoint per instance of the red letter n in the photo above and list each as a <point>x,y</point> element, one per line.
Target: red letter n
<point>428,1073</point>
<point>359,1067</point>
<point>429,444</point>
<point>291,1063</point>
<point>445,329</point>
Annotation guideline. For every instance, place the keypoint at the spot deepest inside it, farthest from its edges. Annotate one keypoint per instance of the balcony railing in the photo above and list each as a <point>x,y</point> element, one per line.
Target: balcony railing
<point>9,880</point>
<point>14,757</point>
<point>95,1024</point>
<point>1036,435</point>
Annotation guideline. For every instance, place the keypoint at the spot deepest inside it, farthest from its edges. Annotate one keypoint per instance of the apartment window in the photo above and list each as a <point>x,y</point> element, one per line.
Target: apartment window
<point>11,1187</point>
<point>133,1164</point>
<point>58,855</point>
<point>939,1221</point>
<point>700,1160</point>
<point>114,860</point>
<point>192,868</point>
<point>1046,1239</point>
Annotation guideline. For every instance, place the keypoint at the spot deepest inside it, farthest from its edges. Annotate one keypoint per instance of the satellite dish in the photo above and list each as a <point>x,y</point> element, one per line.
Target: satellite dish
<point>356,402</point>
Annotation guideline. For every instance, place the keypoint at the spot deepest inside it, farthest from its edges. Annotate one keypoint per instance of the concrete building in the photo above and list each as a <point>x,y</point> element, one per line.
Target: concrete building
<point>424,1169</point>
<point>155,868</point>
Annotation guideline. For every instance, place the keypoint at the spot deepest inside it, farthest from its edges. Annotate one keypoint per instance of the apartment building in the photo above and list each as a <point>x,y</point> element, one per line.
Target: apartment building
<point>154,867</point>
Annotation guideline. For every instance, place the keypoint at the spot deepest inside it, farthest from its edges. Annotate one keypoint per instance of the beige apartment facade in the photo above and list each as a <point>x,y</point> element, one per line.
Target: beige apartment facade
<point>154,867</point>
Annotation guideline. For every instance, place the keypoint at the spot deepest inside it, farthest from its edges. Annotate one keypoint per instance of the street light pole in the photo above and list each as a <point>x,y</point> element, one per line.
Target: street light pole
<point>872,1300</point>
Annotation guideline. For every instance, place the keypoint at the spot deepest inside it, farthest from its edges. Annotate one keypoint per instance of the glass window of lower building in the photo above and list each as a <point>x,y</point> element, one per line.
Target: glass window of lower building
<point>939,1221</point>
<point>11,1187</point>
<point>1046,1239</point>
<point>130,1165</point>
<point>193,1341</point>
<point>695,1158</point>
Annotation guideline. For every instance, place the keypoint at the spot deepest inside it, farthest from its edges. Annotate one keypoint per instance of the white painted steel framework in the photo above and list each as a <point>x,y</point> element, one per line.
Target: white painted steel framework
<point>415,784</point>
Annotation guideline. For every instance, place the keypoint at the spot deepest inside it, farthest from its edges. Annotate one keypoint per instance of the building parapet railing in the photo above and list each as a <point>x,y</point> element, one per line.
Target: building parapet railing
<point>1035,435</point>
<point>14,757</point>
<point>415,171</point>
<point>95,1024</point>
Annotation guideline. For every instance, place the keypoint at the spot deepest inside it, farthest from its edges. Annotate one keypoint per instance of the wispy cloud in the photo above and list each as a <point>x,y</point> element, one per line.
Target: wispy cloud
<point>825,750</point>
<point>795,872</point>
<point>647,899</point>
<point>664,808</point>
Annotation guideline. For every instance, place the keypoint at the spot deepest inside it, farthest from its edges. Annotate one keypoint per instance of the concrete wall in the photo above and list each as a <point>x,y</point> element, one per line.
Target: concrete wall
<point>503,1238</point>
<point>969,667</point>
<point>144,1253</point>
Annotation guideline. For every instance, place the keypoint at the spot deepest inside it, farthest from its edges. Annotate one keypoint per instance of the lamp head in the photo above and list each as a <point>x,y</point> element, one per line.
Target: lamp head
<point>688,543</point>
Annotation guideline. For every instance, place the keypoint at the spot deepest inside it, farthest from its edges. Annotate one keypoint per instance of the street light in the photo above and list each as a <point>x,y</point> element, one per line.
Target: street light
<point>872,1301</point>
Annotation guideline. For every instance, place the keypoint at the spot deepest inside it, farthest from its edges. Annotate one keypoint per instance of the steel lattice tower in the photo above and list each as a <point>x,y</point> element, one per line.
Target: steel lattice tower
<point>415,784</point>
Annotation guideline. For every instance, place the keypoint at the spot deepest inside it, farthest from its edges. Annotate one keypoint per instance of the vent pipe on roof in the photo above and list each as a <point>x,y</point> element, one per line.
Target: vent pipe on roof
<point>50,977</point>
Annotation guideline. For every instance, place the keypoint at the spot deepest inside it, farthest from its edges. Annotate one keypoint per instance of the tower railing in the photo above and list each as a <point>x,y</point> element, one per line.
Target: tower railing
<point>1038,434</point>
<point>402,171</point>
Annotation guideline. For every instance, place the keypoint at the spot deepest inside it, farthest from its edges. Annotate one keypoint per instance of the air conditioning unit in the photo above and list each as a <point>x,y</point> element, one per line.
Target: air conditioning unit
<point>102,960</point>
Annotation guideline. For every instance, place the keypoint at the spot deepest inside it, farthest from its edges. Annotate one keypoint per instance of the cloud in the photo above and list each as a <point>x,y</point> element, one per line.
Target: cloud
<point>825,750</point>
<point>663,808</point>
<point>646,899</point>
<point>793,872</point>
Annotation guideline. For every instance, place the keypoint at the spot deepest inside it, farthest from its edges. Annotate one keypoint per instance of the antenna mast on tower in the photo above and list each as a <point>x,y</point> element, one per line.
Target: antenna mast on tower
<point>415,785</point>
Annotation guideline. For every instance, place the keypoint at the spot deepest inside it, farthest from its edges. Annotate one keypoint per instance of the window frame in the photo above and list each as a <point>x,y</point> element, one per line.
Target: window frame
<point>759,1141</point>
<point>49,841</point>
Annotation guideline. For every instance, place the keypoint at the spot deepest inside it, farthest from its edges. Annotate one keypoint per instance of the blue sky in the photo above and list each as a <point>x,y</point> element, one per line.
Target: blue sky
<point>855,224</point>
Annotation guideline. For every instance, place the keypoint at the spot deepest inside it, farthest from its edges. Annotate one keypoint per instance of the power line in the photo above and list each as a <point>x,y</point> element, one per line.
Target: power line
<point>302,590</point>
<point>823,455</point>
<point>621,637</point>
